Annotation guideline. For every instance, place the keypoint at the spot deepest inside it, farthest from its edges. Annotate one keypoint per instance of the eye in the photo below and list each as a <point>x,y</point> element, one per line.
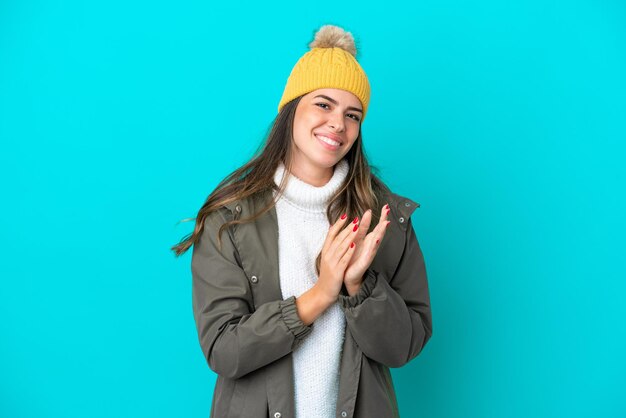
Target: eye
<point>350,115</point>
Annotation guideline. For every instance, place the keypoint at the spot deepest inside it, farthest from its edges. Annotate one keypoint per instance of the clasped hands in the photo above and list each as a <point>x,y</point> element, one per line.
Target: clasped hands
<point>348,251</point>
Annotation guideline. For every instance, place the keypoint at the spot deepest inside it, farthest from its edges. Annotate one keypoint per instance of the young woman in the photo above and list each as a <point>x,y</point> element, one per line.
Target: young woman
<point>318,285</point>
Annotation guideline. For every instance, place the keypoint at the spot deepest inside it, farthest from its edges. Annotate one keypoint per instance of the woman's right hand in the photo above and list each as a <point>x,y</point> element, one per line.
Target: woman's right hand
<point>336,254</point>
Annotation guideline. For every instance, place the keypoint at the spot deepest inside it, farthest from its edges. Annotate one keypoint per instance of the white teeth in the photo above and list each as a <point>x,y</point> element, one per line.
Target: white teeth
<point>328,140</point>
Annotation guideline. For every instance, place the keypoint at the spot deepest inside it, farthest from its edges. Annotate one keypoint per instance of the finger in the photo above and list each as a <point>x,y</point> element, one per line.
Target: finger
<point>384,213</point>
<point>374,237</point>
<point>369,247</point>
<point>345,245</point>
<point>364,225</point>
<point>339,223</point>
<point>379,232</point>
<point>341,236</point>
<point>334,230</point>
<point>345,259</point>
<point>351,235</point>
<point>384,221</point>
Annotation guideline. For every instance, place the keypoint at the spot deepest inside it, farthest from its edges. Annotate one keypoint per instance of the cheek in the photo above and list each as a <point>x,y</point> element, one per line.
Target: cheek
<point>354,132</point>
<point>349,147</point>
<point>301,135</point>
<point>305,125</point>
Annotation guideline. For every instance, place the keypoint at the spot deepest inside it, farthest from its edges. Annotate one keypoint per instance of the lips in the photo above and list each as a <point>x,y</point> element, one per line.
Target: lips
<point>328,143</point>
<point>329,136</point>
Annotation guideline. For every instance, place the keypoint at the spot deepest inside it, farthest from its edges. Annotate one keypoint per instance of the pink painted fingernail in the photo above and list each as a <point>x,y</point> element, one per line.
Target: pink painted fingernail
<point>386,206</point>
<point>355,228</point>
<point>388,222</point>
<point>352,245</point>
<point>377,241</point>
<point>344,216</point>
<point>388,210</point>
<point>355,220</point>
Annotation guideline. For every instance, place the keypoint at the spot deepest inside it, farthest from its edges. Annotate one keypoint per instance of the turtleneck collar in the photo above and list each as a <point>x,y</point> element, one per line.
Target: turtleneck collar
<point>308,197</point>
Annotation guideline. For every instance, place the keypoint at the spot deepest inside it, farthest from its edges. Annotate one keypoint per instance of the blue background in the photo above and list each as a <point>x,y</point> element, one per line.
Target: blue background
<point>505,120</point>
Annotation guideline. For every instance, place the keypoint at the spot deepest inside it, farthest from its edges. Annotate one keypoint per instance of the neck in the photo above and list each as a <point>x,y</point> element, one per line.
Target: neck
<point>309,197</point>
<point>310,173</point>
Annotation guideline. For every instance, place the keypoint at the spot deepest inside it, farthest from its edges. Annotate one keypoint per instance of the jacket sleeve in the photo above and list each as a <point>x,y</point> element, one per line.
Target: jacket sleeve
<point>391,321</point>
<point>235,338</point>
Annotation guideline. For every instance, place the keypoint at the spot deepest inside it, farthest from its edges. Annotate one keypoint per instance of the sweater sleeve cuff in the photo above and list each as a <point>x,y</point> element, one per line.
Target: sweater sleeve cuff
<point>290,317</point>
<point>367,285</point>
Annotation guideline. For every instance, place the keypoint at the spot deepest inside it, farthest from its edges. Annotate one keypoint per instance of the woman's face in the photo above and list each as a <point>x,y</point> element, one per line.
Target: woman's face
<point>326,124</point>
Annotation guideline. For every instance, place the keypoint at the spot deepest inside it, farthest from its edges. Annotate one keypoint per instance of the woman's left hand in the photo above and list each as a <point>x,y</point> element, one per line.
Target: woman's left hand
<point>366,248</point>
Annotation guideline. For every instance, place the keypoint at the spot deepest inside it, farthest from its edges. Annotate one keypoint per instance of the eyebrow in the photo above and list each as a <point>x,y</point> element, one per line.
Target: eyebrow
<point>333,101</point>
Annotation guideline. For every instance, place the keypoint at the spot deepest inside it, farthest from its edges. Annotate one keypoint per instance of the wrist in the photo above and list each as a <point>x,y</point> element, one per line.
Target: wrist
<point>353,289</point>
<point>353,284</point>
<point>324,298</point>
<point>311,304</point>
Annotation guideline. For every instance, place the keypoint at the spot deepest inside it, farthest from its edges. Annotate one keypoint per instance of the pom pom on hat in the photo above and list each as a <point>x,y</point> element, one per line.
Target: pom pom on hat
<point>330,36</point>
<point>331,63</point>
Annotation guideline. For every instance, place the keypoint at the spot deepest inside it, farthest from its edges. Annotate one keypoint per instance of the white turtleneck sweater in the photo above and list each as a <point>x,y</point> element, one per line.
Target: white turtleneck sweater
<point>302,229</point>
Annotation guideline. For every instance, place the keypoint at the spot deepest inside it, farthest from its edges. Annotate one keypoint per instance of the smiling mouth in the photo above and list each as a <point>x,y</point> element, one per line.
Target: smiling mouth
<point>328,141</point>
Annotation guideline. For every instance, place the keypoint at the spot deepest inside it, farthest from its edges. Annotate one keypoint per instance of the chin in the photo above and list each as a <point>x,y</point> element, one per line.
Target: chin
<point>327,162</point>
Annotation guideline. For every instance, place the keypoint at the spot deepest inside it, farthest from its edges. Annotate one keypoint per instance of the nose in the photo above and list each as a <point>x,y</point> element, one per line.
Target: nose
<point>336,122</point>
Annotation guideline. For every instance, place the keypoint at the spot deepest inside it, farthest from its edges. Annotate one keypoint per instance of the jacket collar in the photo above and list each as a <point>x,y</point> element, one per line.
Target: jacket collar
<point>401,206</point>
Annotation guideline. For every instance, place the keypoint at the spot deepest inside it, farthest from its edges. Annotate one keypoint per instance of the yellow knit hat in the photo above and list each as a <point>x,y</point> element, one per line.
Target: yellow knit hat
<point>330,63</point>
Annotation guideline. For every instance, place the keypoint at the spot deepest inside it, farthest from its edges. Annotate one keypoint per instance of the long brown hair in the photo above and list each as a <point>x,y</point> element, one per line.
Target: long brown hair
<point>360,191</point>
